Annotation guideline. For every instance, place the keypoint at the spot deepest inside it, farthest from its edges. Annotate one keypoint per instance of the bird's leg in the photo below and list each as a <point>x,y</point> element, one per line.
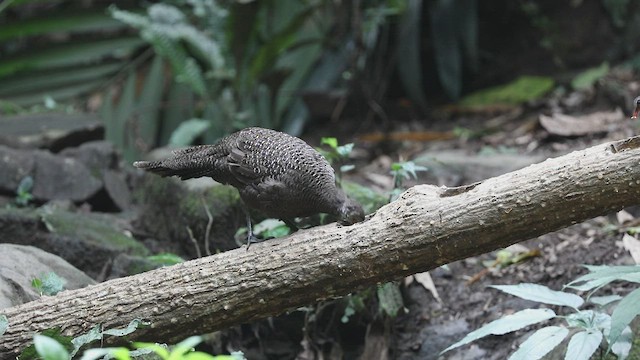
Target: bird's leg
<point>251,238</point>
<point>291,224</point>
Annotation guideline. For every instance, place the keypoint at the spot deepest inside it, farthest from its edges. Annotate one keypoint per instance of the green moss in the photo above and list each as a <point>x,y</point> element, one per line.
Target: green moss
<point>370,200</point>
<point>523,89</point>
<point>219,199</point>
<point>91,228</point>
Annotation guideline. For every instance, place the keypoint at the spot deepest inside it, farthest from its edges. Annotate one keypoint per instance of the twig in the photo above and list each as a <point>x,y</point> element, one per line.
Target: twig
<point>195,243</point>
<point>207,250</point>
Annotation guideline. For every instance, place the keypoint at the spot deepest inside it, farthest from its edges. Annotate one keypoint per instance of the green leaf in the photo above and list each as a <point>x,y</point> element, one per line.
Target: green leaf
<point>94,334</point>
<point>543,294</point>
<point>59,22</point>
<point>506,325</point>
<point>601,275</point>
<point>25,185</point>
<point>540,343</point>
<point>69,55</point>
<point>180,105</point>
<point>166,259</point>
<point>117,353</point>
<point>467,26</point>
<point>622,347</point>
<point>48,284</point>
<point>30,351</point>
<point>124,109</point>
<point>161,350</point>
<point>523,89</point>
<point>347,168</point>
<point>188,131</point>
<point>131,327</point>
<point>330,141</point>
<point>4,324</point>
<point>149,104</point>
<point>271,228</point>
<point>446,45</point>
<point>184,347</point>
<point>278,44</point>
<point>626,310</point>
<point>409,63</point>
<point>589,320</point>
<point>588,78</point>
<point>604,300</point>
<point>344,150</point>
<point>390,298</point>
<point>197,355</point>
<point>50,80</point>
<point>583,344</point>
<point>49,349</point>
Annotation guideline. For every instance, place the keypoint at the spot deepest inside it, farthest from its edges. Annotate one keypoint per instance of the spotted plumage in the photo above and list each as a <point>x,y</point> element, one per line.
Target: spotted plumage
<point>276,173</point>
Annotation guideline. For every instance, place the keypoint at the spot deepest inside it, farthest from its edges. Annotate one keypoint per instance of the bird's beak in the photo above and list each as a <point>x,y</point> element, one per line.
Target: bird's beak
<point>636,111</point>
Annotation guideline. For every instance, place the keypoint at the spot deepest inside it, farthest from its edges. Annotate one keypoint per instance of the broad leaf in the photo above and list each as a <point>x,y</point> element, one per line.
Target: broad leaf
<point>540,343</point>
<point>94,334</point>
<point>622,347</point>
<point>185,346</point>
<point>583,344</point>
<point>133,326</point>
<point>506,325</point>
<point>49,349</point>
<point>100,353</point>
<point>604,300</point>
<point>4,324</point>
<point>408,48</point>
<point>588,78</point>
<point>448,53</point>
<point>390,298</point>
<point>601,271</point>
<point>624,313</point>
<point>188,131</point>
<point>543,294</point>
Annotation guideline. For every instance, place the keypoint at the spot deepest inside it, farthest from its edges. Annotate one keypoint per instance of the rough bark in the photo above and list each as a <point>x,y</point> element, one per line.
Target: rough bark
<point>427,227</point>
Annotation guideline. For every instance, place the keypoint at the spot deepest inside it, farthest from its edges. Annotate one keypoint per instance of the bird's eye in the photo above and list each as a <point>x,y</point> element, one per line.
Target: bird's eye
<point>637,100</point>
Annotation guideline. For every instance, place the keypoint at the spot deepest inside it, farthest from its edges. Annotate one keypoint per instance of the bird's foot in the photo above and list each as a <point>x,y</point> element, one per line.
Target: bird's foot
<point>252,239</point>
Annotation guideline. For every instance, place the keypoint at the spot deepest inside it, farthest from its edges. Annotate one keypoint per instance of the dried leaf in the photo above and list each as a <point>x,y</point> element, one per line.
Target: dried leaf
<point>633,245</point>
<point>425,280</point>
<point>624,217</point>
<point>596,122</point>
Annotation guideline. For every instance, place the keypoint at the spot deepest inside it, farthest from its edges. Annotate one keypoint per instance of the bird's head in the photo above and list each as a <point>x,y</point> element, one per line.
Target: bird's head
<point>350,212</point>
<point>636,104</point>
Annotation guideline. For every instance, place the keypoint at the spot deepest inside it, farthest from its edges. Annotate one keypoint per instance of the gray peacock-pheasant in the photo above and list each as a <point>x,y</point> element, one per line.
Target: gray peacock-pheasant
<point>275,173</point>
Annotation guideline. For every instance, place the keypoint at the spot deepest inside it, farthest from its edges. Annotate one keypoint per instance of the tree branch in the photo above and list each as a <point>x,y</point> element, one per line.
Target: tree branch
<point>425,228</point>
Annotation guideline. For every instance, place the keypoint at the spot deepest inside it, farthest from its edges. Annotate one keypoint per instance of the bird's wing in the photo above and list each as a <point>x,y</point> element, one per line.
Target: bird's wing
<point>240,164</point>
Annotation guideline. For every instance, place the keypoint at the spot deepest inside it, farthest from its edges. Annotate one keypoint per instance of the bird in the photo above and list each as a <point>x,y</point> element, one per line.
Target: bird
<point>275,173</point>
<point>636,104</point>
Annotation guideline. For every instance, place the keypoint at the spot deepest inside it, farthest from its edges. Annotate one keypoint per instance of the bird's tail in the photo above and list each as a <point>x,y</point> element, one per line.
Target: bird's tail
<point>193,162</point>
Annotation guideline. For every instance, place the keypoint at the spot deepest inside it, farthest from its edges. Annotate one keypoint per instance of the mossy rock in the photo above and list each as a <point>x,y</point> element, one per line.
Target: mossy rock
<point>95,229</point>
<point>168,208</point>
<point>87,241</point>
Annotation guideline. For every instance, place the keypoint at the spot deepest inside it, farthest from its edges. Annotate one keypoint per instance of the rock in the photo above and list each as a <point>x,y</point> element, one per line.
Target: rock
<point>15,165</point>
<point>102,159</point>
<point>57,178</point>
<point>116,186</point>
<point>19,265</point>
<point>86,240</point>
<point>54,177</point>
<point>98,156</point>
<point>51,131</point>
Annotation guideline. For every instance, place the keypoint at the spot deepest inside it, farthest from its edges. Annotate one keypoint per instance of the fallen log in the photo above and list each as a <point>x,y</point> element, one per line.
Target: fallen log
<point>425,228</point>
